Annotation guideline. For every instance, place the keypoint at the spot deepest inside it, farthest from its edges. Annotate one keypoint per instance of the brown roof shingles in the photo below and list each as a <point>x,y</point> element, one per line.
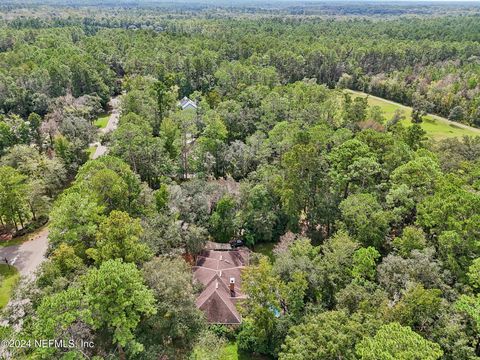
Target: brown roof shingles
<point>214,269</point>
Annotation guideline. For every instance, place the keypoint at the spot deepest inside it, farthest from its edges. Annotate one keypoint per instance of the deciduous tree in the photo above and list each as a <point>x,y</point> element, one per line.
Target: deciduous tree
<point>394,341</point>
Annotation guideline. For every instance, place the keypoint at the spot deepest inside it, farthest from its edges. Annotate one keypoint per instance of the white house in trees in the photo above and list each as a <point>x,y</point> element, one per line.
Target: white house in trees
<point>187,104</point>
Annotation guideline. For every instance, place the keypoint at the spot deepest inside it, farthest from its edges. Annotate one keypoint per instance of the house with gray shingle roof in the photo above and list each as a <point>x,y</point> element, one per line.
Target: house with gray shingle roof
<point>187,104</point>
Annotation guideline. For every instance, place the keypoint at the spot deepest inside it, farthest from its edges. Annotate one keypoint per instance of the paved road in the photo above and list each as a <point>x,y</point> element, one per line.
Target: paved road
<point>114,116</point>
<point>111,125</point>
<point>27,256</point>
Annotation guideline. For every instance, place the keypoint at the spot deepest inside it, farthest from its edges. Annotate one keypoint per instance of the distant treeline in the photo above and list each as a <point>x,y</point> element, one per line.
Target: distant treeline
<point>291,7</point>
<point>431,64</point>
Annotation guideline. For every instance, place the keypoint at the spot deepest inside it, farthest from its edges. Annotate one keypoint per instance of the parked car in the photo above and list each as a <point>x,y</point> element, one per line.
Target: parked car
<point>236,243</point>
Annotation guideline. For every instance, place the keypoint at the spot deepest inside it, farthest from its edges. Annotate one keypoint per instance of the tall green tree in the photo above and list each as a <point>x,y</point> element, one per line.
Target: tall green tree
<point>394,341</point>
<point>164,97</point>
<point>327,335</point>
<point>352,165</point>
<point>365,219</point>
<point>74,221</point>
<point>13,197</point>
<point>177,324</point>
<point>271,304</point>
<point>303,183</point>
<point>364,263</point>
<point>210,145</point>
<point>334,267</point>
<point>222,221</point>
<point>117,299</point>
<point>118,237</point>
<point>259,214</point>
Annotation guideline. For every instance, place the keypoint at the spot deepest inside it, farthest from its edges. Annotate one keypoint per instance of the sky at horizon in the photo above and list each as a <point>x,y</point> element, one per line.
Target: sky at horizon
<point>246,1</point>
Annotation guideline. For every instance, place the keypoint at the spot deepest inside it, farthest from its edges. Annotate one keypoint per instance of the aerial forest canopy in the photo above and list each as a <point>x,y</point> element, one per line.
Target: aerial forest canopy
<point>138,135</point>
<point>430,64</point>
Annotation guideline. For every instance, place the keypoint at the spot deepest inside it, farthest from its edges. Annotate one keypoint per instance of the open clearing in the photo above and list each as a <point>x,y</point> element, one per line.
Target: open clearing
<point>231,352</point>
<point>437,127</point>
<point>90,151</point>
<point>102,121</point>
<point>9,277</point>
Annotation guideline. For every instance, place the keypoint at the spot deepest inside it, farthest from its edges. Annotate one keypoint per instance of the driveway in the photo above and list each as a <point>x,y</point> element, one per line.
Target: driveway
<point>112,124</point>
<point>27,256</point>
<point>100,150</point>
<point>114,115</point>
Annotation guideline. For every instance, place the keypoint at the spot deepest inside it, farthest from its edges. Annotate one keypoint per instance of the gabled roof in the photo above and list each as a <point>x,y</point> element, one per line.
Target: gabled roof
<point>186,103</point>
<point>215,302</point>
<point>205,276</point>
<point>214,269</point>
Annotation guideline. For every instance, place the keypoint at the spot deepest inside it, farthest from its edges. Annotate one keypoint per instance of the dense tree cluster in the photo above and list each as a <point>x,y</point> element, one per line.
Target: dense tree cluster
<point>375,227</point>
<point>429,63</point>
<point>101,281</point>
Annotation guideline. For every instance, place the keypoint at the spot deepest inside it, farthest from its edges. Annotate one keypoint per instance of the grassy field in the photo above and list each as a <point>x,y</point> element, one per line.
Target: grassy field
<point>90,151</point>
<point>102,121</point>
<point>437,128</point>
<point>9,277</point>
<point>231,352</point>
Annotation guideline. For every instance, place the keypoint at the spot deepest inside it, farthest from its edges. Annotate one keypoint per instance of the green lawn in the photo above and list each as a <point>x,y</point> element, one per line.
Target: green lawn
<point>437,128</point>
<point>9,277</point>
<point>90,151</point>
<point>231,352</point>
<point>14,241</point>
<point>102,121</point>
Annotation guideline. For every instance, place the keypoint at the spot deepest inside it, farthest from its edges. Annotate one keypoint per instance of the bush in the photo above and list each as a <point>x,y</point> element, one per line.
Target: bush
<point>224,331</point>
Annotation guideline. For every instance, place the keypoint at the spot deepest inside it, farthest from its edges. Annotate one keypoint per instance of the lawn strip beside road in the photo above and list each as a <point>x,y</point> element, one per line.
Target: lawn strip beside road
<point>8,279</point>
<point>437,127</point>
